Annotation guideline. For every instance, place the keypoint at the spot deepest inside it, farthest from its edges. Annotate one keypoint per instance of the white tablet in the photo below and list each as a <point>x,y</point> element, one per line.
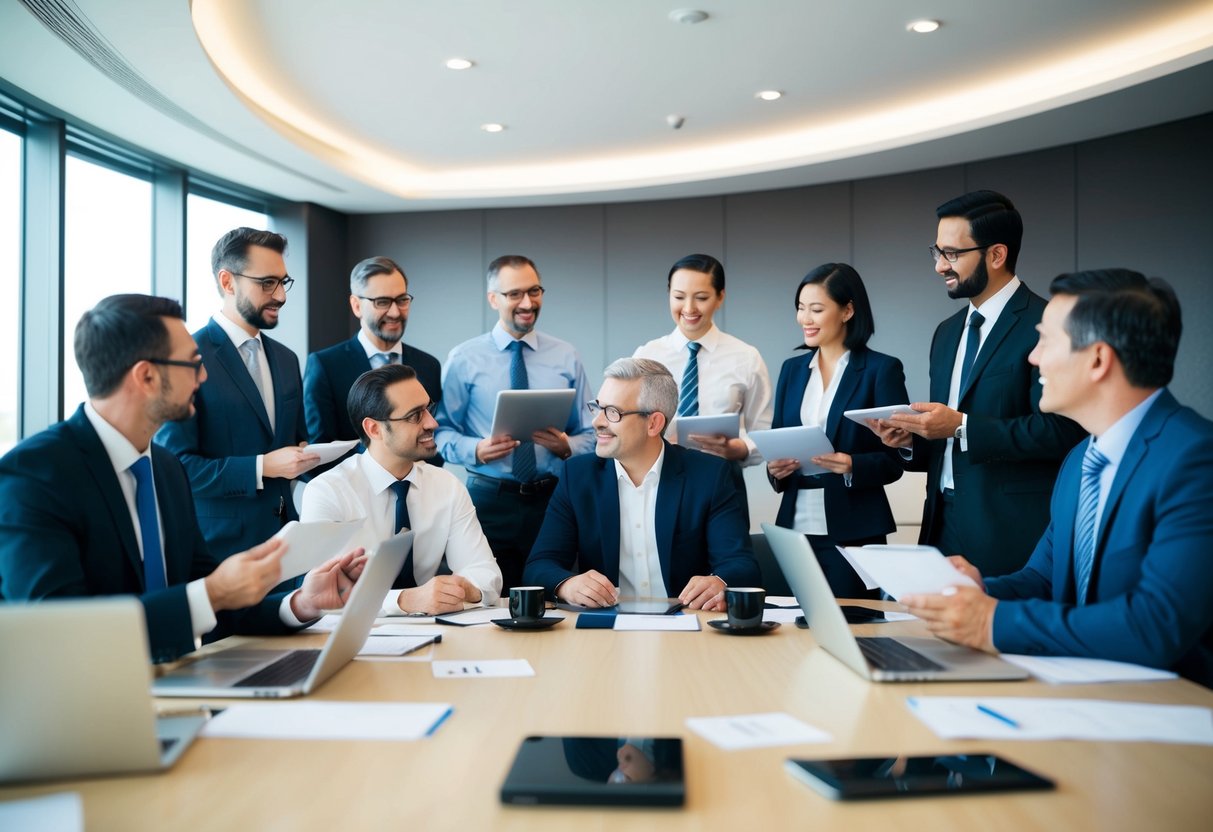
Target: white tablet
<point>794,443</point>
<point>861,416</point>
<point>519,413</point>
<point>311,544</point>
<point>723,424</point>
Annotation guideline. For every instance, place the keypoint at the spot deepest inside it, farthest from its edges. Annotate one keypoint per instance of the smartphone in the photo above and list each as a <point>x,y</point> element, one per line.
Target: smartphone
<point>906,776</point>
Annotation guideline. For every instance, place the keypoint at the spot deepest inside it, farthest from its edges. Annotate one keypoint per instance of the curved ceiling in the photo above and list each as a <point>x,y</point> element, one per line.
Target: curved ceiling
<point>348,103</point>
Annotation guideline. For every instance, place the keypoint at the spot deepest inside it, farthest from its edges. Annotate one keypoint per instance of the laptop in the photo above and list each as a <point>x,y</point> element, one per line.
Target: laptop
<point>881,659</point>
<point>74,698</point>
<point>278,674</point>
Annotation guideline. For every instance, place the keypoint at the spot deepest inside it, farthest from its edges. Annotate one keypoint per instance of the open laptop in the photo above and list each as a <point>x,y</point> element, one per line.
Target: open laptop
<point>74,699</point>
<point>881,659</point>
<point>243,672</point>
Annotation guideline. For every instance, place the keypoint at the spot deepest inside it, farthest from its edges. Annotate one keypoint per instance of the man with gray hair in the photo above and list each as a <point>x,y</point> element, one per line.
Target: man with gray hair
<point>642,518</point>
<point>380,300</point>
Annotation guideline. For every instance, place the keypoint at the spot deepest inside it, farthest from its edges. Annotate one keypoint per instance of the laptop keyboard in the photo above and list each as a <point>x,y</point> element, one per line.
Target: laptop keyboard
<point>289,669</point>
<point>890,654</point>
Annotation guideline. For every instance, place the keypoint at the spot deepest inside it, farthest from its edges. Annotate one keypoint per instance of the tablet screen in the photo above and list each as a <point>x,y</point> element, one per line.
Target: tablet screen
<point>597,771</point>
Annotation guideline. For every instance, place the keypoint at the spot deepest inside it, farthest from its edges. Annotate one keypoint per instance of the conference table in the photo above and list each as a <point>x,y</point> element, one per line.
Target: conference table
<point>610,683</point>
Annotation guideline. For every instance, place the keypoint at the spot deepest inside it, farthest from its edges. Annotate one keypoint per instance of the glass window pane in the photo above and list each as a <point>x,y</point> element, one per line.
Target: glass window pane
<point>206,220</point>
<point>10,287</point>
<point>107,250</point>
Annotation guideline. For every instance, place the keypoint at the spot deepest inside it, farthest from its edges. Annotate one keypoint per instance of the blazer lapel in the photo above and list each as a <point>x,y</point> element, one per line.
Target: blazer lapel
<point>233,365</point>
<point>97,461</point>
<point>608,518</point>
<point>1139,447</point>
<point>945,359</point>
<point>1063,531</point>
<point>797,383</point>
<point>847,385</point>
<point>669,497</point>
<point>1006,322</point>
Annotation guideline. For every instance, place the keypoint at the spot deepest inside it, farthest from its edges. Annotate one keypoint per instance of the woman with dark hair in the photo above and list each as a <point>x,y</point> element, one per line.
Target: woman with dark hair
<point>847,506</point>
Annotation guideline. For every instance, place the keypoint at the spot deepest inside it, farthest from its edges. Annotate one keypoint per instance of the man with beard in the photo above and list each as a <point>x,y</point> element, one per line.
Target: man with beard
<point>244,444</point>
<point>392,487</point>
<point>990,454</point>
<point>511,478</point>
<point>380,299</point>
<point>91,507</point>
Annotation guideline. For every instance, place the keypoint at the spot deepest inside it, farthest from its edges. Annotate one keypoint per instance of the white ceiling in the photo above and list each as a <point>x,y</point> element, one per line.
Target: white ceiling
<point>347,103</point>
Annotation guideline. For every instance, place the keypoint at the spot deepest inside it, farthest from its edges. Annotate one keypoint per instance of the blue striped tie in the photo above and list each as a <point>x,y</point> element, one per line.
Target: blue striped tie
<point>972,345</point>
<point>524,455</point>
<point>688,396</point>
<point>1093,463</point>
<point>149,525</point>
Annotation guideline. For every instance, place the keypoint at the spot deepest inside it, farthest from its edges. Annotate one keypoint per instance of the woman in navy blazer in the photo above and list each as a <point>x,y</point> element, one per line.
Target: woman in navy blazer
<point>846,506</point>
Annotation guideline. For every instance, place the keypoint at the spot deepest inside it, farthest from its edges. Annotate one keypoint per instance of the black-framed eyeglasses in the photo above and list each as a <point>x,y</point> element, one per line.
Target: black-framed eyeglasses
<point>269,285</point>
<point>413,417</point>
<point>612,413</point>
<point>196,366</point>
<point>385,303</point>
<point>515,295</point>
<point>951,254</point>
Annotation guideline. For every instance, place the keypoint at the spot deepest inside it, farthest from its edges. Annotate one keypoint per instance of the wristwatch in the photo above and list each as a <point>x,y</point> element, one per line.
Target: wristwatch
<point>960,433</point>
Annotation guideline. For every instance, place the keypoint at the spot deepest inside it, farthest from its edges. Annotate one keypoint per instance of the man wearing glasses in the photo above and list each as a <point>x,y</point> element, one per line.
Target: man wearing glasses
<point>244,444</point>
<point>990,454</point>
<point>392,487</point>
<point>380,299</point>
<point>642,518</point>
<point>511,478</point>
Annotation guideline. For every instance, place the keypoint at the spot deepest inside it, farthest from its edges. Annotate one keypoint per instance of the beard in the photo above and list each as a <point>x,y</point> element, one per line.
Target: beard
<point>377,329</point>
<point>524,329</point>
<point>165,410</point>
<point>253,315</point>
<point>974,286</point>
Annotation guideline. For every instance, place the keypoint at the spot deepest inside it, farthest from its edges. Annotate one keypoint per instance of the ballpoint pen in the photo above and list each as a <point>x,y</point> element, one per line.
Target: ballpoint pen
<point>996,715</point>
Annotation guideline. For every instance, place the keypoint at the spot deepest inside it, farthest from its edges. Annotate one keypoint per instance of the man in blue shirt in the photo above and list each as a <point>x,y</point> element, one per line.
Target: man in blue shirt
<point>511,478</point>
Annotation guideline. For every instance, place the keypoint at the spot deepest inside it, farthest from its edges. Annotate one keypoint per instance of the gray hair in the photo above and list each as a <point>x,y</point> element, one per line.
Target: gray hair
<point>370,267</point>
<point>658,390</point>
<point>514,261</point>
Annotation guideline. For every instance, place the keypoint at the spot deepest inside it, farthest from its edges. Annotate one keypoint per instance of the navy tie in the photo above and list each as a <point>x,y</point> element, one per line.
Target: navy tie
<point>688,396</point>
<point>524,454</point>
<point>971,347</point>
<point>1085,531</point>
<point>406,579</point>
<point>149,525</point>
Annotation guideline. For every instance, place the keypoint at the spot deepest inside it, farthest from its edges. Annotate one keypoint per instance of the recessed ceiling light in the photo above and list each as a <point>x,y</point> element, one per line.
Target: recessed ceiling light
<point>923,27</point>
<point>492,127</point>
<point>769,95</point>
<point>688,16</point>
<point>459,63</point>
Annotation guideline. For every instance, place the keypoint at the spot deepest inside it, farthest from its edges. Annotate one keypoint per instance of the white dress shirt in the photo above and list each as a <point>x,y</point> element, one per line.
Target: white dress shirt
<point>814,411</point>
<point>440,510</point>
<point>371,350</point>
<point>239,336</point>
<point>732,377</point>
<point>639,563</point>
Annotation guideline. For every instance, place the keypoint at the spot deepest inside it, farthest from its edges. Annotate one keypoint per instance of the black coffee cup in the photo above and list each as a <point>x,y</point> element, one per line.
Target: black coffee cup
<point>526,603</point>
<point>745,605</point>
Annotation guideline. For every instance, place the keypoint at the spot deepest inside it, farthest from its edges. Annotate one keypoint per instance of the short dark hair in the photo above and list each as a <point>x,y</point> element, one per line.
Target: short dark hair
<point>231,251</point>
<point>705,263</point>
<point>368,395</point>
<point>514,261</point>
<point>992,219</point>
<point>1138,317</point>
<point>370,267</point>
<point>118,333</point>
<point>844,285</point>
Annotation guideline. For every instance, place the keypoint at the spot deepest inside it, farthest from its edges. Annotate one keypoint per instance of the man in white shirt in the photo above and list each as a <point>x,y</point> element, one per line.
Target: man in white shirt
<point>391,487</point>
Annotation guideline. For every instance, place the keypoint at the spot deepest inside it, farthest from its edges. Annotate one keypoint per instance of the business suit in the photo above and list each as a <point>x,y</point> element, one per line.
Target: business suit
<point>1003,481</point>
<point>66,531</point>
<point>1150,598</point>
<point>219,444</point>
<point>700,529</point>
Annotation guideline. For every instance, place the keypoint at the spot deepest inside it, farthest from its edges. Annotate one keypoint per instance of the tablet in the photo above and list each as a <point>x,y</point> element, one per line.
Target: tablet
<point>311,544</point>
<point>801,443</point>
<point>519,413</point>
<point>630,606</point>
<point>906,776</point>
<point>596,771</point>
<point>724,424</point>
<point>861,416</point>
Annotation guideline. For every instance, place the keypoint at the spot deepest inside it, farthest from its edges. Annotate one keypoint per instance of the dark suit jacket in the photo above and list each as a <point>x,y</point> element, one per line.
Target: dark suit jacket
<point>700,527</point>
<point>332,372</point>
<point>871,379</point>
<point>218,445</point>
<point>1004,480</point>
<point>1150,600</point>
<point>66,531</point>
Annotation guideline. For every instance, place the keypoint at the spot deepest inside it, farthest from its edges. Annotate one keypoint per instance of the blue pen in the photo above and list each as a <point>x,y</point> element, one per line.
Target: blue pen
<point>1000,717</point>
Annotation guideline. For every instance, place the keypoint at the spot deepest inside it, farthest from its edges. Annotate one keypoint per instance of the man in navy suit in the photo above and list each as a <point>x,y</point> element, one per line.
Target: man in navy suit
<point>990,454</point>
<point>243,446</point>
<point>1123,571</point>
<point>380,299</point>
<point>642,518</point>
<point>91,507</point>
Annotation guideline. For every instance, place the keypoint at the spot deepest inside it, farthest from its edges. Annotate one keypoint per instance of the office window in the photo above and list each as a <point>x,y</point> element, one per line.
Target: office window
<point>206,220</point>
<point>107,250</point>
<point>10,287</point>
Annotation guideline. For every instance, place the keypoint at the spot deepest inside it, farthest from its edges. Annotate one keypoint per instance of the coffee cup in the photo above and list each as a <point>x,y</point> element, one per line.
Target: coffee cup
<point>745,605</point>
<point>526,603</point>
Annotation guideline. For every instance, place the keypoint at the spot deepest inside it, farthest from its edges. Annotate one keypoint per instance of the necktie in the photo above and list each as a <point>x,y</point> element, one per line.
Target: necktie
<point>1093,463</point>
<point>381,358</point>
<point>688,396</point>
<point>971,347</point>
<point>149,526</point>
<point>250,351</point>
<point>405,580</point>
<point>524,454</point>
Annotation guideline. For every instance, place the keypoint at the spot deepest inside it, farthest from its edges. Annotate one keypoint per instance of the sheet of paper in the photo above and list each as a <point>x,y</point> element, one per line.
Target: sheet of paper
<point>733,733</point>
<point>483,669</point>
<point>311,544</point>
<point>663,623</point>
<point>959,717</point>
<point>329,622</point>
<point>782,601</point>
<point>906,570</point>
<point>783,615</point>
<point>1067,670</point>
<point>411,630</point>
<point>329,721</point>
<point>861,416</point>
<point>59,812</point>
<point>800,443</point>
<point>332,451</point>
<point>868,581</point>
<point>394,645</point>
<point>723,424</point>
<point>482,615</point>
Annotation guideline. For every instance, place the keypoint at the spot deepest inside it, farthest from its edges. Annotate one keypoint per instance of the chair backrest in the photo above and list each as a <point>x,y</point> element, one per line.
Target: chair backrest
<point>773,580</point>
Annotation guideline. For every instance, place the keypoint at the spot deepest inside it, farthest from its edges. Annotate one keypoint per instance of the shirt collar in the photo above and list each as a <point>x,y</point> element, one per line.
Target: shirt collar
<point>709,341</point>
<point>503,339</point>
<point>379,478</point>
<point>371,349</point>
<point>654,473</point>
<point>992,308</point>
<point>1115,440</point>
<point>234,331</point>
<point>121,452</point>
<point>843,361</point>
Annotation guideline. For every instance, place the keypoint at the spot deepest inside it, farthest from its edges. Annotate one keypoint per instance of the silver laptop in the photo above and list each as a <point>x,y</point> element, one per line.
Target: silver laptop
<point>881,659</point>
<point>242,672</point>
<point>74,692</point>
